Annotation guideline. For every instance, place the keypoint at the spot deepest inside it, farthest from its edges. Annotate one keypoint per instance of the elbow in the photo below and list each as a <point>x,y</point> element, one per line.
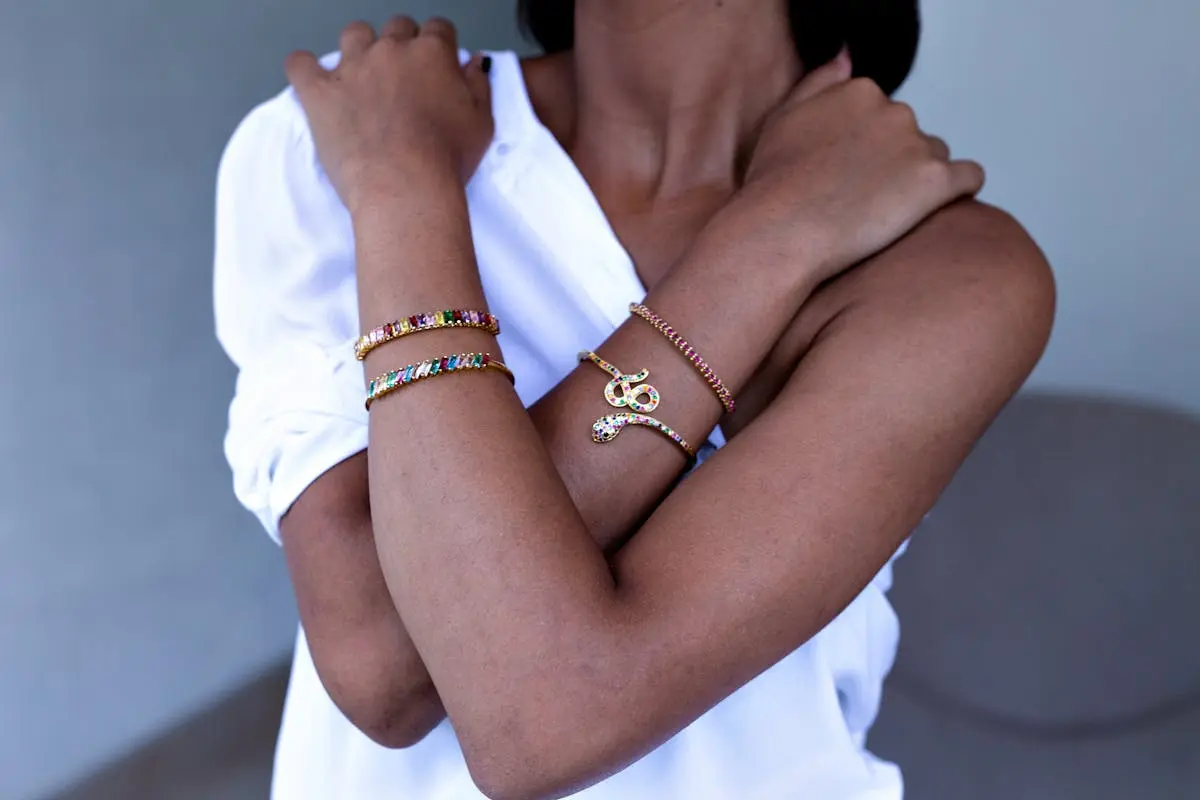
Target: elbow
<point>513,767</point>
<point>498,781</point>
<point>396,725</point>
<point>392,713</point>
<point>391,722</point>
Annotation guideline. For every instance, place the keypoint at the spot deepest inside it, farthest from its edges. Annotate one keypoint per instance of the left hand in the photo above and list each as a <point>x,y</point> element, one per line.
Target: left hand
<point>398,101</point>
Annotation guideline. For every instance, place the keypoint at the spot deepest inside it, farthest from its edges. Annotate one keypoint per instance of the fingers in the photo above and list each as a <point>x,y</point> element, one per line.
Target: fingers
<point>477,75</point>
<point>966,178</point>
<point>303,70</point>
<point>823,77</point>
<point>355,39</point>
<point>442,29</point>
<point>939,148</point>
<point>400,27</point>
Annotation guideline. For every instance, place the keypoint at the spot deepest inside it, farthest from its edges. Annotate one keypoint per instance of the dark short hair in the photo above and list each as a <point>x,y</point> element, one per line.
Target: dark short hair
<point>882,35</point>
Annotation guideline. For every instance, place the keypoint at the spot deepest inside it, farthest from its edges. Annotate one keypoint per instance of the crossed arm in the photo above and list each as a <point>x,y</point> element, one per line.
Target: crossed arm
<point>558,667</point>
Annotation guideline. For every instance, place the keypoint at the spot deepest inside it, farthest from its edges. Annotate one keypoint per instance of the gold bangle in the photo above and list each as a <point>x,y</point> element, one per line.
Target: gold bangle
<point>451,318</point>
<point>406,376</point>
<point>681,344</point>
<point>626,384</point>
<point>609,427</point>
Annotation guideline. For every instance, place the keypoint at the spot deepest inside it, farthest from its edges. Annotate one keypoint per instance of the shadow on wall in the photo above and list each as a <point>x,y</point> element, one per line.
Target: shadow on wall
<point>1049,651</point>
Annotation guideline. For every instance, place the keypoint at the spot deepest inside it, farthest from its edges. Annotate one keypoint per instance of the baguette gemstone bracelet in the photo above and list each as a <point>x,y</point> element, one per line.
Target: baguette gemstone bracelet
<point>406,376</point>
<point>451,318</point>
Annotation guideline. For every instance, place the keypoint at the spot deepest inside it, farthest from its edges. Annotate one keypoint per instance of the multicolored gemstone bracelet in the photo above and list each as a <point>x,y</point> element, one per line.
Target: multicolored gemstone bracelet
<point>451,318</point>
<point>624,391</point>
<point>681,344</point>
<point>406,376</point>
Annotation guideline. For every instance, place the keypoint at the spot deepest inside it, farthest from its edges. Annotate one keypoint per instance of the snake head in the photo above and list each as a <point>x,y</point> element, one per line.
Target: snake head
<point>606,428</point>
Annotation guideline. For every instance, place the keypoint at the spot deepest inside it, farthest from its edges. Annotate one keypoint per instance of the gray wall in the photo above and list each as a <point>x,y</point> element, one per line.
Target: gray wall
<point>133,590</point>
<point>1087,115</point>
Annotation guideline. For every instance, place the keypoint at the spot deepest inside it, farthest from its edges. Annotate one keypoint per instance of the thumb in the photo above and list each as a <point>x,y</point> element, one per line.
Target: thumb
<point>824,77</point>
<point>477,73</point>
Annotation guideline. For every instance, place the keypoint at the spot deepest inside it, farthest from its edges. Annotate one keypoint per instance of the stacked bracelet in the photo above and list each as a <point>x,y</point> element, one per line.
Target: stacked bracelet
<point>452,318</point>
<point>710,377</point>
<point>394,381</point>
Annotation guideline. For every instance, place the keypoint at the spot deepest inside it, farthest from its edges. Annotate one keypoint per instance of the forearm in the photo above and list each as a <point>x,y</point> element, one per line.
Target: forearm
<point>397,704</point>
<point>412,252</point>
<point>522,527</point>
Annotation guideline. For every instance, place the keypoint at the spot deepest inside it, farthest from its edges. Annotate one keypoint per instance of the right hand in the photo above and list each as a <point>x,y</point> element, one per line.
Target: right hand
<point>395,99</point>
<point>840,173</point>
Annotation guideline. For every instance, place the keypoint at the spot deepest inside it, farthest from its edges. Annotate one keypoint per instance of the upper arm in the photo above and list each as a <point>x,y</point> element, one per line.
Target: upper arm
<point>360,648</point>
<point>769,540</point>
<point>925,346</point>
<point>286,313</point>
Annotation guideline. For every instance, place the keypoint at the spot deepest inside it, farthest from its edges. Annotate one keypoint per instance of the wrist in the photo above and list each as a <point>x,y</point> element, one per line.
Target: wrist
<point>409,179</point>
<point>752,255</point>
<point>413,245</point>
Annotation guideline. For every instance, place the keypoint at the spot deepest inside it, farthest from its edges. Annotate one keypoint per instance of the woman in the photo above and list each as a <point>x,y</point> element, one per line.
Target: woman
<point>528,564</point>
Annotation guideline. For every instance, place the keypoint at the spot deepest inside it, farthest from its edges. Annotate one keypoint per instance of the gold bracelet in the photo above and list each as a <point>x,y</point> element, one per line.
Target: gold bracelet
<point>629,392</point>
<point>406,376</point>
<point>681,344</point>
<point>451,318</point>
<point>609,427</point>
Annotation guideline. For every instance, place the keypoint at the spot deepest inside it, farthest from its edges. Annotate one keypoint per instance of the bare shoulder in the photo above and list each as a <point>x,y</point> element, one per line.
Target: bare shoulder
<point>959,311</point>
<point>969,284</point>
<point>969,274</point>
<point>968,259</point>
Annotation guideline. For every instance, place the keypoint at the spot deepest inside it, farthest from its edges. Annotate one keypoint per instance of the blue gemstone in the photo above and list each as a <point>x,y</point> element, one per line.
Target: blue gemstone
<point>452,363</point>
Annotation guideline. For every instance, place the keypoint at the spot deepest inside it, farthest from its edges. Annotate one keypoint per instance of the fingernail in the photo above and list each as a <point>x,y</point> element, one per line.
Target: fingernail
<point>486,65</point>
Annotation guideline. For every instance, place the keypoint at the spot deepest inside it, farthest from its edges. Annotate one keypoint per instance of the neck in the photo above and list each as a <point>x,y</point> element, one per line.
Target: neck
<point>671,93</point>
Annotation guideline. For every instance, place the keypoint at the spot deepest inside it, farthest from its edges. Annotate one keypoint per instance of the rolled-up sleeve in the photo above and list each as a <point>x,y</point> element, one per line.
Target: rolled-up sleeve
<point>286,313</point>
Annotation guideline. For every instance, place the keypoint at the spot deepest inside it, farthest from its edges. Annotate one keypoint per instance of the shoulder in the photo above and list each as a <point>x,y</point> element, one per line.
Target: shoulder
<point>277,125</point>
<point>273,141</point>
<point>971,268</point>
<point>283,239</point>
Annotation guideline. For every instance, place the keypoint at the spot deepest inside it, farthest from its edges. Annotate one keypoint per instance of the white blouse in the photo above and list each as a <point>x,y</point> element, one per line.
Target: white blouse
<point>554,272</point>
